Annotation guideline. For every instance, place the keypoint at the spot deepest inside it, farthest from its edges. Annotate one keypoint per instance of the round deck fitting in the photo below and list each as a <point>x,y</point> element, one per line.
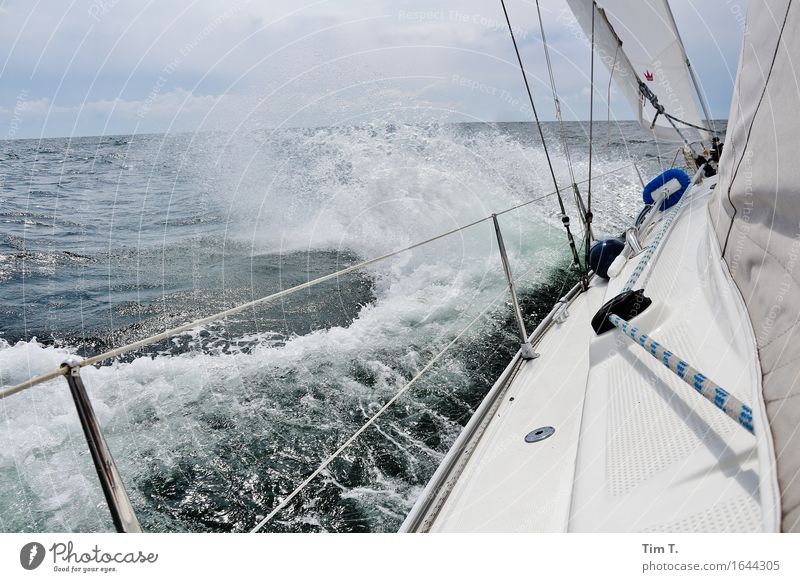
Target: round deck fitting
<point>539,434</point>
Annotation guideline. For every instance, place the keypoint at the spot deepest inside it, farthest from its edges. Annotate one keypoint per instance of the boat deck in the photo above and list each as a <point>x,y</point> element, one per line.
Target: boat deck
<point>634,447</point>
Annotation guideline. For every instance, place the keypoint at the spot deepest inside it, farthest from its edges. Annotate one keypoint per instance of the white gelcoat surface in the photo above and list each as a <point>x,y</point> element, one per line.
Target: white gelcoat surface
<point>635,448</point>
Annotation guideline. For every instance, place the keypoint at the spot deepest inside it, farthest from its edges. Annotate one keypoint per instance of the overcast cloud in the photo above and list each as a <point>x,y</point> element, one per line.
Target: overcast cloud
<point>113,66</point>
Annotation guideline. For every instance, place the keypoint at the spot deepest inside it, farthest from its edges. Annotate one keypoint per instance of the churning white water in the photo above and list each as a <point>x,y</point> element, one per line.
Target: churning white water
<point>211,429</point>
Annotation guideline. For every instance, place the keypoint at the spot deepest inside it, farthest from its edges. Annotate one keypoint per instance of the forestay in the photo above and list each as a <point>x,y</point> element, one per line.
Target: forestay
<point>639,41</point>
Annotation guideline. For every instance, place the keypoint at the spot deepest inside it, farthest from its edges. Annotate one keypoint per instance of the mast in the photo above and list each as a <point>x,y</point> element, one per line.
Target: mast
<point>692,75</point>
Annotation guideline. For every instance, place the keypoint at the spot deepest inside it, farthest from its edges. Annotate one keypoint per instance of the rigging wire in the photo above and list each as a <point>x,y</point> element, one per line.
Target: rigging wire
<point>686,123</point>
<point>588,235</point>
<point>608,97</point>
<point>564,217</point>
<point>578,199</point>
<point>648,94</point>
<point>644,91</point>
<point>7,391</point>
<point>333,456</point>
<point>711,126</point>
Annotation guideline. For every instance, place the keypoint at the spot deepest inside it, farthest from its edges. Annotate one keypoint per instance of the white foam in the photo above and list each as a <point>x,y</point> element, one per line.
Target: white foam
<point>367,190</point>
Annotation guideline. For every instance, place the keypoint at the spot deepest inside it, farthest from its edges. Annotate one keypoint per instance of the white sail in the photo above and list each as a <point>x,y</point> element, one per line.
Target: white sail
<point>756,211</point>
<point>638,41</point>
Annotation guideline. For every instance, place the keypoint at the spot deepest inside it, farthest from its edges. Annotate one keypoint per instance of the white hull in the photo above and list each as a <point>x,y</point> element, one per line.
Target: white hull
<point>634,448</point>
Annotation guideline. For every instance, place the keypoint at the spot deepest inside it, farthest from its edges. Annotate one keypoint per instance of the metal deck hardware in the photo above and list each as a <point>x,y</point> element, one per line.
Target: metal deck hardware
<point>119,504</point>
<point>117,498</point>
<point>539,434</point>
<point>524,345</point>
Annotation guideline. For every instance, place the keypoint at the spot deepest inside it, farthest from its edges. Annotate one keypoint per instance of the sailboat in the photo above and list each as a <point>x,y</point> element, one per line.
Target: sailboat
<point>660,394</point>
<point>680,415</point>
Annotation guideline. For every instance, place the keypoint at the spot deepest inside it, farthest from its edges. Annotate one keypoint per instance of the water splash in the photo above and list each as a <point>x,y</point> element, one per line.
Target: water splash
<point>210,430</point>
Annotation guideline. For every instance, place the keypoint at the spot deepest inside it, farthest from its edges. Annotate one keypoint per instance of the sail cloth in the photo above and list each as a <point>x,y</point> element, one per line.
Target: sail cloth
<point>756,216</point>
<point>638,41</point>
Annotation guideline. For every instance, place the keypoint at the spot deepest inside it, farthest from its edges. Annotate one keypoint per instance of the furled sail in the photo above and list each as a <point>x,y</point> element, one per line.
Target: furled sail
<point>756,215</point>
<point>638,42</point>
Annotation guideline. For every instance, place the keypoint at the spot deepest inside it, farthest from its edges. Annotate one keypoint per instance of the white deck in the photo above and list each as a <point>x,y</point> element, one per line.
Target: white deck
<point>635,448</point>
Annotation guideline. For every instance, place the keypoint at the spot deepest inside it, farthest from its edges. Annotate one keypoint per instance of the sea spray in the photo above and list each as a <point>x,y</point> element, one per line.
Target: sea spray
<point>212,428</point>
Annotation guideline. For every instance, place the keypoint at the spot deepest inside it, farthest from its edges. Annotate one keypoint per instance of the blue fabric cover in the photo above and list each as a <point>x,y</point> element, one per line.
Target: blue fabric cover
<point>603,253</point>
<point>658,181</point>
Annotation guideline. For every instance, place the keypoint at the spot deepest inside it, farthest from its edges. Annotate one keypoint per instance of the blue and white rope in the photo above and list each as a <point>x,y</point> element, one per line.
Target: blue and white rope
<point>648,254</point>
<point>712,392</point>
<point>653,246</point>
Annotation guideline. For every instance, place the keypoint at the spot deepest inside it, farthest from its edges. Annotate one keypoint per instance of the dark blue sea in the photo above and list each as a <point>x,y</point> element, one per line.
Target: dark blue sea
<point>106,240</point>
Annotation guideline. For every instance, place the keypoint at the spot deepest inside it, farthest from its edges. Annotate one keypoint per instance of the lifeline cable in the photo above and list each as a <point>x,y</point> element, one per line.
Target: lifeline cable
<point>646,93</point>
<point>564,217</point>
<point>7,391</point>
<point>328,460</point>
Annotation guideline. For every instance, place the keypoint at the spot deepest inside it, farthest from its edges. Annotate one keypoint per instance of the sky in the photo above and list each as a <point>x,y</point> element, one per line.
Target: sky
<point>107,67</point>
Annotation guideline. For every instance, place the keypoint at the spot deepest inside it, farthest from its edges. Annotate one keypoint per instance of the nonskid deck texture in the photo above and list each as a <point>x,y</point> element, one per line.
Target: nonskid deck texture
<point>511,485</point>
<point>634,448</point>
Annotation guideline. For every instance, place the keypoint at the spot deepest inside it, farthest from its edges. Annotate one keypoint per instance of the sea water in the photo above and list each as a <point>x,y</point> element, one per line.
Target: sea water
<point>110,239</point>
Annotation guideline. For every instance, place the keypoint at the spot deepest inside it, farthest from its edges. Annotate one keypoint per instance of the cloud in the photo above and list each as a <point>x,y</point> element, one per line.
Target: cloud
<point>106,66</point>
<point>178,110</point>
